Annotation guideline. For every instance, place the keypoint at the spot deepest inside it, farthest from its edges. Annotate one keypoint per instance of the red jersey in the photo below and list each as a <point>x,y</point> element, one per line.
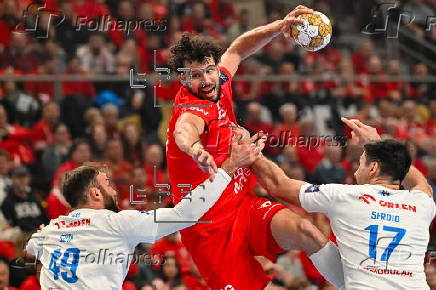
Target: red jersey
<point>216,139</point>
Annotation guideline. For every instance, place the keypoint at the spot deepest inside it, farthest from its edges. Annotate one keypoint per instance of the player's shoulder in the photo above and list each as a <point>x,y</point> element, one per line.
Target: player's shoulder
<point>225,75</point>
<point>333,188</point>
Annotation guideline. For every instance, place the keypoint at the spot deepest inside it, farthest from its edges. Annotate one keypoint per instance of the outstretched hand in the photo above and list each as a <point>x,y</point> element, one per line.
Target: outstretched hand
<point>361,133</point>
<point>291,19</point>
<point>204,160</point>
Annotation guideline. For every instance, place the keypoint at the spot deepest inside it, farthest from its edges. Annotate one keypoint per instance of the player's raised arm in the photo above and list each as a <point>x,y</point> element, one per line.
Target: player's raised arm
<point>187,133</point>
<point>252,40</point>
<point>415,180</point>
<point>363,134</point>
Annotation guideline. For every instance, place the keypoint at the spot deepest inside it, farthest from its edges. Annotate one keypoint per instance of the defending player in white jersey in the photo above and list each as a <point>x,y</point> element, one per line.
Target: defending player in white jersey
<point>382,231</point>
<point>93,246</point>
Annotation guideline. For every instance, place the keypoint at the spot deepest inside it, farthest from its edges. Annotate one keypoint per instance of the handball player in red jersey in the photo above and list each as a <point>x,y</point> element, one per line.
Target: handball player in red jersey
<point>199,140</point>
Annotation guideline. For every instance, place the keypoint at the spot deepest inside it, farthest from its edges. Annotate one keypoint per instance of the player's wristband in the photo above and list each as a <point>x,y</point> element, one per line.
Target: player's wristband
<point>328,262</point>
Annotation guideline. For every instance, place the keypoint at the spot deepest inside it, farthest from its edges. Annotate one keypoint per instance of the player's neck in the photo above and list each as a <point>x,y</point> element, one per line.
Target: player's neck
<point>385,183</point>
<point>89,206</point>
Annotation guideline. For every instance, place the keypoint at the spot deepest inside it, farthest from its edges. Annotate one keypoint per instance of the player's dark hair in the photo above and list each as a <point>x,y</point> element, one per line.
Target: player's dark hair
<point>76,182</point>
<point>191,48</point>
<point>392,155</point>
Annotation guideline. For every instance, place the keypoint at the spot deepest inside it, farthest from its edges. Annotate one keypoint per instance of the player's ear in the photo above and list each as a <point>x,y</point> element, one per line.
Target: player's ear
<point>374,169</point>
<point>94,193</point>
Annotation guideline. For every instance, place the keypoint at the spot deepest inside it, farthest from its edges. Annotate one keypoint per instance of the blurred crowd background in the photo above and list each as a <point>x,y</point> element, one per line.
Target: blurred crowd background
<point>48,126</point>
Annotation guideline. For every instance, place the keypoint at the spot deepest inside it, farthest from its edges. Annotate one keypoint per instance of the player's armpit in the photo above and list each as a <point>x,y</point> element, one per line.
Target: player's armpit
<point>230,60</point>
<point>276,182</point>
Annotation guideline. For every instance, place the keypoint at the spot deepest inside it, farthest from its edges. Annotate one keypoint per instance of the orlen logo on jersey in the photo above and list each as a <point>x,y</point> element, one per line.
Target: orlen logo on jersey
<point>367,198</point>
<point>228,287</point>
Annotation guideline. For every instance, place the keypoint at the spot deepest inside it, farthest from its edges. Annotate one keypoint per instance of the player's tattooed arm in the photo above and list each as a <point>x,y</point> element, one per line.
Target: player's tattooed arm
<point>253,40</point>
<point>276,182</point>
<point>187,133</point>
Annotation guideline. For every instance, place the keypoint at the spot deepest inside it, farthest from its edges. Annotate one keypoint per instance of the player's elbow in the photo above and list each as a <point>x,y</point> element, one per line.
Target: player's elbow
<point>315,240</point>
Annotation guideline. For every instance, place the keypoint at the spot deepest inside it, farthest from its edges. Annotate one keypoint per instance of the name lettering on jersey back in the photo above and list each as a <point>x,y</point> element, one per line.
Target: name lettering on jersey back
<point>385,217</point>
<point>79,223</point>
<point>367,198</point>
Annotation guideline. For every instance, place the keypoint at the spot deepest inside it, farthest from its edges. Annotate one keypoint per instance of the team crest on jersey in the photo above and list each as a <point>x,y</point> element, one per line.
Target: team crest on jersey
<point>223,78</point>
<point>228,287</point>
<point>312,188</point>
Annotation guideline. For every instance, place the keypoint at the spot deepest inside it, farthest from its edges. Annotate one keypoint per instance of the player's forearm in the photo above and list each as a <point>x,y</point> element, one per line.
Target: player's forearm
<point>415,178</point>
<point>252,40</point>
<point>193,206</point>
<point>186,136</point>
<point>274,180</point>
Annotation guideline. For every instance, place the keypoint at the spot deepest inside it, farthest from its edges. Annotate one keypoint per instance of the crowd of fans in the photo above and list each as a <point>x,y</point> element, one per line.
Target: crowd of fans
<point>43,136</point>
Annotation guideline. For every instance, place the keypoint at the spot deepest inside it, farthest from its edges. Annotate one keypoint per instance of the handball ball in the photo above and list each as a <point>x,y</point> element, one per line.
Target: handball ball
<point>314,33</point>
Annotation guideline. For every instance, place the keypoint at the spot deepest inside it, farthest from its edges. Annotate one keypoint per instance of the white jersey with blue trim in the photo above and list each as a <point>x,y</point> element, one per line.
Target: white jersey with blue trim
<point>93,248</point>
<point>382,234</point>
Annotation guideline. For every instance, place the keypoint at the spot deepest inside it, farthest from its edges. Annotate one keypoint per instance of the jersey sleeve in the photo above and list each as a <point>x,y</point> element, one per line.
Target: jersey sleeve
<point>149,226</point>
<point>318,198</point>
<point>34,245</point>
<point>225,76</point>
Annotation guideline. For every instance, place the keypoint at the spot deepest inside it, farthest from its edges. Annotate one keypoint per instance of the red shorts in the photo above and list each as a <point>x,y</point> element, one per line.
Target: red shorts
<point>224,253</point>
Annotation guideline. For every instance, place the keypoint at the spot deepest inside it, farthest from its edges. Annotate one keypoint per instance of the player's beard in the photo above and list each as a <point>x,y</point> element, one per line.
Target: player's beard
<point>110,202</point>
<point>215,99</point>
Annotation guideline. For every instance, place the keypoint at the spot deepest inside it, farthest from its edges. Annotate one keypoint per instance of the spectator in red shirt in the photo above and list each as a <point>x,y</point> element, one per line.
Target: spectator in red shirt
<point>378,88</point>
<point>119,168</point>
<point>130,198</point>
<point>56,203</point>
<point>309,146</point>
<point>223,13</point>
<point>253,121</point>
<point>98,141</point>
<point>408,126</point>
<point>80,87</point>
<point>396,89</point>
<point>153,159</point>
<point>132,143</point>
<point>14,140</point>
<point>361,56</point>
<point>20,54</point>
<point>42,131</point>
<point>110,115</point>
